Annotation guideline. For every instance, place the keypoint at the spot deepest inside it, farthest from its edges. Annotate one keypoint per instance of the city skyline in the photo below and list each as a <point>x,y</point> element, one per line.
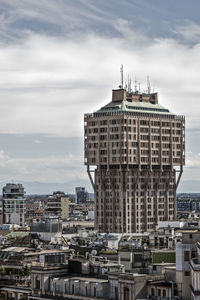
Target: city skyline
<point>50,76</point>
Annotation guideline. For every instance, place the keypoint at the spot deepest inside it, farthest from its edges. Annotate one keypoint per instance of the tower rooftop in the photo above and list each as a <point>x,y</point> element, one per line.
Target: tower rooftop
<point>124,101</point>
<point>142,107</point>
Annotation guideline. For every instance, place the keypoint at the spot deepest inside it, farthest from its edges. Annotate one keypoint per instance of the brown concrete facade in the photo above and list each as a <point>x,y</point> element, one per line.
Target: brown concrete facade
<point>137,155</point>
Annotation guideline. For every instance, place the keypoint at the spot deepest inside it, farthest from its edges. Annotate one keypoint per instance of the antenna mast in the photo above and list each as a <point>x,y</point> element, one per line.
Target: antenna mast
<point>129,84</point>
<point>135,86</point>
<point>122,76</point>
<point>139,88</point>
<point>148,85</point>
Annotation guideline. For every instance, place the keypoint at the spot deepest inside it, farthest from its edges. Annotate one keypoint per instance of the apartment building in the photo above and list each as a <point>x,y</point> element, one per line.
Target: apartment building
<point>186,251</point>
<point>58,205</point>
<point>81,195</point>
<point>195,275</point>
<point>13,204</point>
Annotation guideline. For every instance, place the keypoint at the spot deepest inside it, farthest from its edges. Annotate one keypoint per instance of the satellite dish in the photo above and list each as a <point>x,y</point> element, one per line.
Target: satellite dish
<point>94,252</point>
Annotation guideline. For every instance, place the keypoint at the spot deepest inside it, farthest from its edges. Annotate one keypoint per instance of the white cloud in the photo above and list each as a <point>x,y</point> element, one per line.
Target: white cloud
<point>44,169</point>
<point>21,17</point>
<point>3,156</point>
<point>47,84</point>
<point>37,141</point>
<point>190,32</point>
<point>48,81</point>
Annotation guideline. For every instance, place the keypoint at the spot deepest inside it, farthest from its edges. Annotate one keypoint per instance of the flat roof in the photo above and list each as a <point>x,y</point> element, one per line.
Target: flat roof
<point>161,283</point>
<point>91,279</point>
<point>53,251</point>
<point>20,234</point>
<point>14,249</point>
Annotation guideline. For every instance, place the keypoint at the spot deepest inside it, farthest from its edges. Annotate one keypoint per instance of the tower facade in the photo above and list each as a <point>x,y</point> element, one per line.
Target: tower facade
<point>134,152</point>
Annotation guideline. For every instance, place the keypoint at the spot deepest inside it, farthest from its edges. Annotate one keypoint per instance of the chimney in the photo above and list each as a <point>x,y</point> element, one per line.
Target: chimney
<point>118,95</point>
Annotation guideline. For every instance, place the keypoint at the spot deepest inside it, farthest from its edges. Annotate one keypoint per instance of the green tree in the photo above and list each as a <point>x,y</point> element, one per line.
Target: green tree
<point>2,270</point>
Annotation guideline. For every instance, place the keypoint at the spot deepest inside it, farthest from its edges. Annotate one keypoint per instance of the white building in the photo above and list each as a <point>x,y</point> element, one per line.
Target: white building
<point>13,204</point>
<point>48,229</point>
<point>195,275</point>
<point>185,252</point>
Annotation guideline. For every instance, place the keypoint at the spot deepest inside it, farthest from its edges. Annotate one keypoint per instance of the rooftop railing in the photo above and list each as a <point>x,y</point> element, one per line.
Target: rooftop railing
<point>139,114</point>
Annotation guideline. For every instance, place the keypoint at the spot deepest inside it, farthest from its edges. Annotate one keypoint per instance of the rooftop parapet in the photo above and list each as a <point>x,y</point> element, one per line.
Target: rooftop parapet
<point>119,95</point>
<point>12,188</point>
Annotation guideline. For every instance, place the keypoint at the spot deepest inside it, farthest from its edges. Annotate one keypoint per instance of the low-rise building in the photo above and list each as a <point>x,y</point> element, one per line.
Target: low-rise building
<point>49,229</point>
<point>34,211</point>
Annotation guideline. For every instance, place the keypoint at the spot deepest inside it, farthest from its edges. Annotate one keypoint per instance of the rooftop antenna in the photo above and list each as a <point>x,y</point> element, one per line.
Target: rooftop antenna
<point>122,76</point>
<point>148,85</point>
<point>135,85</point>
<point>139,88</point>
<point>129,84</point>
<point>126,86</point>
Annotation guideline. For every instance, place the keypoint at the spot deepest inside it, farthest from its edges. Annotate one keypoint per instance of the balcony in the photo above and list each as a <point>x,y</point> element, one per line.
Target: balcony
<point>196,292</point>
<point>76,296</point>
<point>13,264</point>
<point>163,298</point>
<point>37,292</point>
<point>45,265</point>
<point>195,264</point>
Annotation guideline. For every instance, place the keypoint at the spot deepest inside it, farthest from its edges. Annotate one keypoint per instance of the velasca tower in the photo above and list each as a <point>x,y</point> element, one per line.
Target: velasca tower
<point>134,152</point>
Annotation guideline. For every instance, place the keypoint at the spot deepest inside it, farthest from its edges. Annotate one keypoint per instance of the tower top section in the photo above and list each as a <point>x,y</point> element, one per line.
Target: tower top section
<point>13,188</point>
<point>124,100</point>
<point>119,95</point>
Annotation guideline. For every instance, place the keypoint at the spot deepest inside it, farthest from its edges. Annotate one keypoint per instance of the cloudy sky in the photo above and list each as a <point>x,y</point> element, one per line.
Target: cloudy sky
<point>61,59</point>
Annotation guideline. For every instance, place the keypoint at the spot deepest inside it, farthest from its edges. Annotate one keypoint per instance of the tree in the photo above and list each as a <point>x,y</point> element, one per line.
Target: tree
<point>2,270</point>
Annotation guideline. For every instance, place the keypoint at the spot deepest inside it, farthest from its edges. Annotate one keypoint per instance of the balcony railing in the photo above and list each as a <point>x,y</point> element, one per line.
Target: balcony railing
<point>195,264</point>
